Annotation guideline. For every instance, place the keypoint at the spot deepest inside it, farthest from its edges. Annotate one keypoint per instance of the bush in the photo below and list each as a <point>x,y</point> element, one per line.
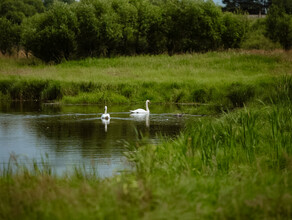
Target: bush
<point>51,36</point>
<point>233,30</point>
<point>256,39</point>
<point>128,27</point>
<point>9,37</point>
<point>279,27</point>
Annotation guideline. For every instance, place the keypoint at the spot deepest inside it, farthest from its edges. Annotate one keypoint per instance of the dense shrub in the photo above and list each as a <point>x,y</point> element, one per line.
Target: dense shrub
<point>129,27</point>
<point>51,36</point>
<point>9,36</point>
<point>234,28</point>
<point>256,37</point>
<point>279,26</point>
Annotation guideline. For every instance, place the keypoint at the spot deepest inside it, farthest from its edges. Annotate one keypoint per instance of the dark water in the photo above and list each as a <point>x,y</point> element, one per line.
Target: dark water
<point>71,135</point>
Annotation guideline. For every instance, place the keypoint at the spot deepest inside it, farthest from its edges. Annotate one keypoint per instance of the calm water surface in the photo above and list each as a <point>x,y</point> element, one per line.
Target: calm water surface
<point>73,135</point>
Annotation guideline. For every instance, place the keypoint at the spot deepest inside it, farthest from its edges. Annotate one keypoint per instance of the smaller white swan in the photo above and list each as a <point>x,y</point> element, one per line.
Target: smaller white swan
<point>140,110</point>
<point>105,116</point>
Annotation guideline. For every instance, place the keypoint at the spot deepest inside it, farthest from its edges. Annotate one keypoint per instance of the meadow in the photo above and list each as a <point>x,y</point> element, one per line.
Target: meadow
<point>233,165</point>
<point>222,78</point>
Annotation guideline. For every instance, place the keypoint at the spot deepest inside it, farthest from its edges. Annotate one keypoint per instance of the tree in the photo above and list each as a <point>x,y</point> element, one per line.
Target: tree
<point>49,3</point>
<point>233,30</point>
<point>17,10</point>
<point>89,29</point>
<point>51,36</point>
<point>250,6</point>
<point>286,5</point>
<point>279,26</point>
<point>9,36</point>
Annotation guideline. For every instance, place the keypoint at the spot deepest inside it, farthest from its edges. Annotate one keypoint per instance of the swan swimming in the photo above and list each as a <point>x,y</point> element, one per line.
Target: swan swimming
<point>105,116</point>
<point>140,110</point>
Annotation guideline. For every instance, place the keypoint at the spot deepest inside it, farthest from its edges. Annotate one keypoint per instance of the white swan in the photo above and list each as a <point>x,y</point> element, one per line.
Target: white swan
<point>105,116</point>
<point>140,110</point>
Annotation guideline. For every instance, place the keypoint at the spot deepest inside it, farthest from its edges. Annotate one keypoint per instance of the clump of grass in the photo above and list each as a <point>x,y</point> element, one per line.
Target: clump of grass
<point>239,94</point>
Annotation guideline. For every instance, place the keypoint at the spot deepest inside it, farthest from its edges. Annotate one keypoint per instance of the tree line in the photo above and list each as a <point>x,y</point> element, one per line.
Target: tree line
<point>57,30</point>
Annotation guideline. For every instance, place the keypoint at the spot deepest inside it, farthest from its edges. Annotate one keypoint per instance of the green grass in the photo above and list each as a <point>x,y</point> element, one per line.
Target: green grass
<point>228,78</point>
<point>212,68</point>
<point>237,165</point>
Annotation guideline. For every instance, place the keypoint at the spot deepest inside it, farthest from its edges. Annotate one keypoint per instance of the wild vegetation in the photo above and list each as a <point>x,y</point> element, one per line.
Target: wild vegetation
<point>235,166</point>
<point>116,27</point>
<point>226,79</point>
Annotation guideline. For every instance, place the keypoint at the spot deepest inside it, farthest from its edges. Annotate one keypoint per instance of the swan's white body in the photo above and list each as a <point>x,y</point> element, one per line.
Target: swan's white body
<point>140,110</point>
<point>105,116</point>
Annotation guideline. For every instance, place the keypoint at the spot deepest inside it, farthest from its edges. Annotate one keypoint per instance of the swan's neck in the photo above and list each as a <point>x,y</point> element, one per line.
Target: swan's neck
<point>105,110</point>
<point>147,109</point>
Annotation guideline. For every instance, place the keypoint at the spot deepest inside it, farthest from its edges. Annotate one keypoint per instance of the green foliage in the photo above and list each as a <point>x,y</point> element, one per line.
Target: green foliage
<point>191,26</point>
<point>51,36</point>
<point>17,10</point>
<point>48,3</point>
<point>88,36</point>
<point>224,80</point>
<point>234,30</point>
<point>235,165</point>
<point>118,27</point>
<point>286,5</point>
<point>9,36</point>
<point>256,37</point>
<point>279,26</point>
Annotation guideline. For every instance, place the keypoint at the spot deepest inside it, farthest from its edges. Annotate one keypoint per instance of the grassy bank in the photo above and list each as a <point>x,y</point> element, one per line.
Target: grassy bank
<point>231,78</point>
<point>236,166</point>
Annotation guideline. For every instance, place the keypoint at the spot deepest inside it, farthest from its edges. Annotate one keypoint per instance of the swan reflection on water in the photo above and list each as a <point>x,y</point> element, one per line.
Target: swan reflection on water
<point>105,122</point>
<point>141,117</point>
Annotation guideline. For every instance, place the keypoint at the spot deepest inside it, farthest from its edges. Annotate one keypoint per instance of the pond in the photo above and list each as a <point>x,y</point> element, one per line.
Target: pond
<point>75,135</point>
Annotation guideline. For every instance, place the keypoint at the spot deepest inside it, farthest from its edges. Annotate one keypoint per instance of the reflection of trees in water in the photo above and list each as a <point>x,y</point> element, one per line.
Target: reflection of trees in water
<point>62,130</point>
<point>28,106</point>
<point>89,136</point>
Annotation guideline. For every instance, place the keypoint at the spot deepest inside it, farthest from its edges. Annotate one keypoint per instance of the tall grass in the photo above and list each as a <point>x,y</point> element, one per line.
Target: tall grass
<point>226,79</point>
<point>237,165</point>
<point>209,68</point>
